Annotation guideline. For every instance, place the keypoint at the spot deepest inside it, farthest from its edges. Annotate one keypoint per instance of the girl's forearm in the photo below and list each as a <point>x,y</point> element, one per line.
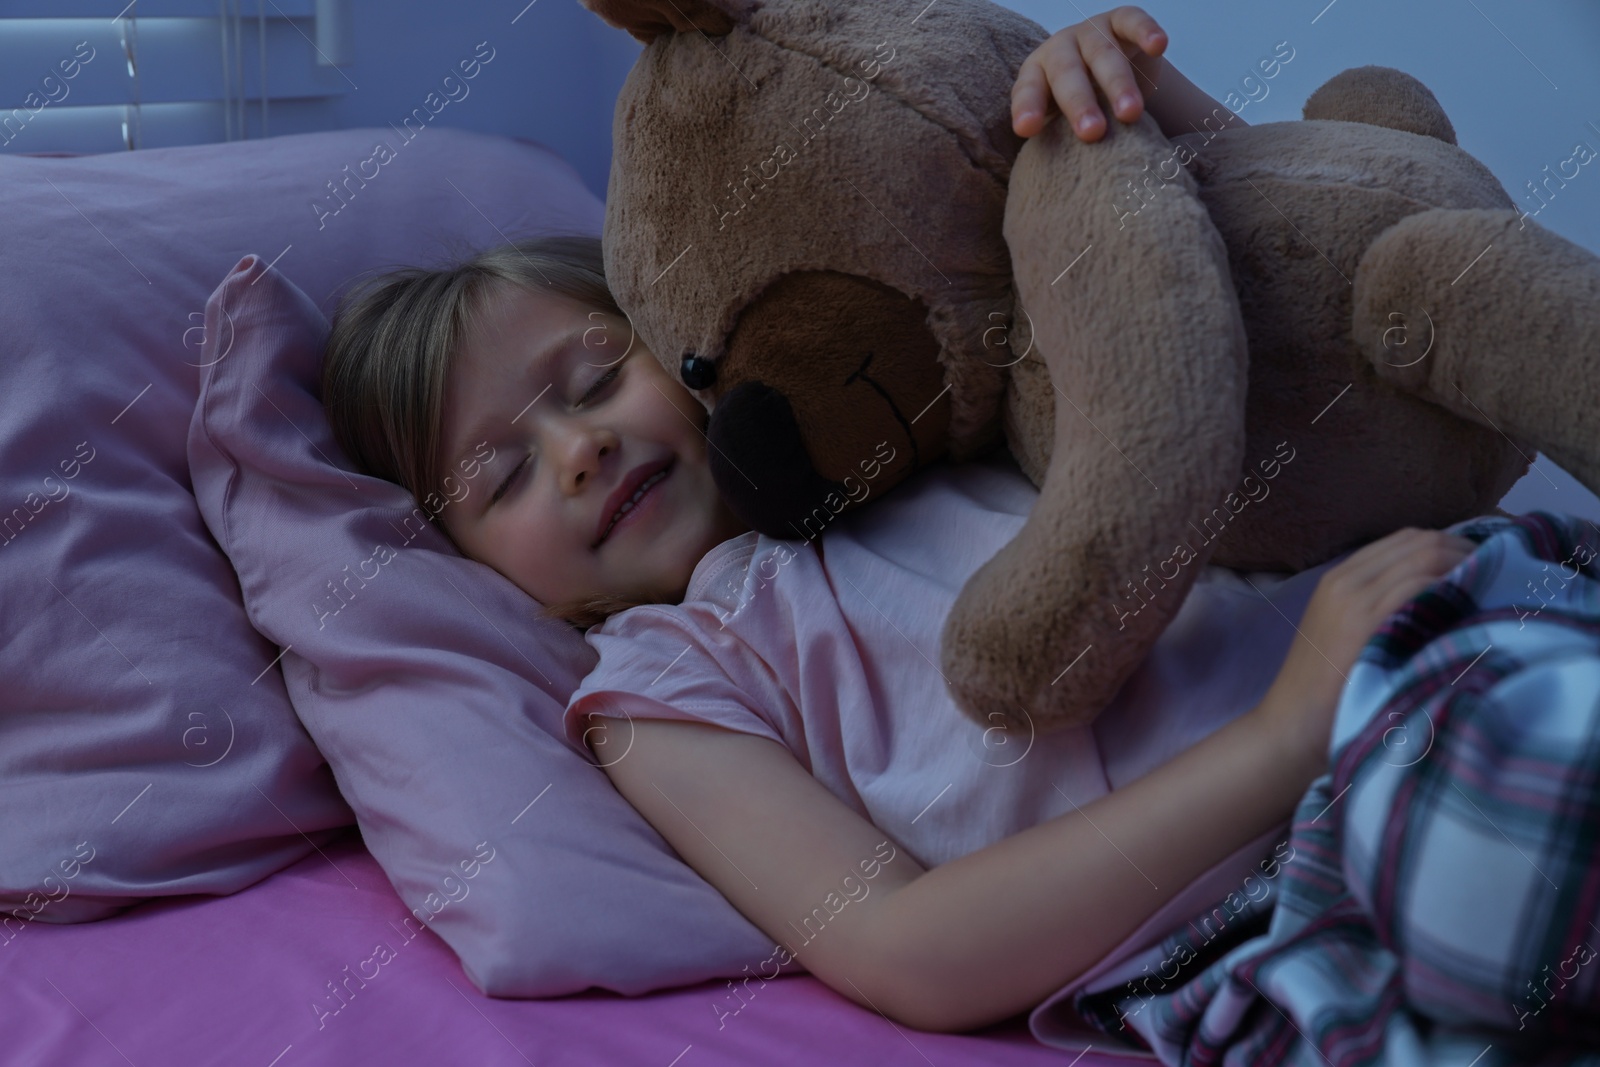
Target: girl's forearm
<point>993,933</point>
<point>1176,103</point>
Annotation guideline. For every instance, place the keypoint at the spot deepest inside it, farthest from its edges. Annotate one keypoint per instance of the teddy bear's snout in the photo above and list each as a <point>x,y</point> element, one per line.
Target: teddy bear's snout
<point>828,392</point>
<point>772,485</point>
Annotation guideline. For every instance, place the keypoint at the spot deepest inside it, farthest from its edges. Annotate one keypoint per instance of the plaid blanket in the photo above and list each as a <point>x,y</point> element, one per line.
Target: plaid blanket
<point>1438,897</point>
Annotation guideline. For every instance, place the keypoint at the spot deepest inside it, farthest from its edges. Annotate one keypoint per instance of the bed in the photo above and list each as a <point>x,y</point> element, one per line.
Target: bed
<point>248,979</point>
<point>216,851</point>
<point>237,837</point>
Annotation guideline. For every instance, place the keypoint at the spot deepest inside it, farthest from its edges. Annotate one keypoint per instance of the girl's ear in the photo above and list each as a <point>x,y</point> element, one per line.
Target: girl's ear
<point>647,19</point>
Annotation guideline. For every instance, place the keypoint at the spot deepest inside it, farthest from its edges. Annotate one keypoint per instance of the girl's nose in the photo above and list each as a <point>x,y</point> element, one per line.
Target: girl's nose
<point>584,448</point>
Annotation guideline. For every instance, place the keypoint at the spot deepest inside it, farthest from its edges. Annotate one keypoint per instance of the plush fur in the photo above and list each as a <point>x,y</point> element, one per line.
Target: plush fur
<point>1258,347</point>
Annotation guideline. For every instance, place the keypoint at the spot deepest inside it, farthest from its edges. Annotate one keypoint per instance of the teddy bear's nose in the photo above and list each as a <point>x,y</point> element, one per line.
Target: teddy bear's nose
<point>697,373</point>
<point>773,488</point>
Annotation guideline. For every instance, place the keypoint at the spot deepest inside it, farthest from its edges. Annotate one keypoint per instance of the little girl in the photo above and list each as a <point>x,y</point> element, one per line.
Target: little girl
<point>774,708</point>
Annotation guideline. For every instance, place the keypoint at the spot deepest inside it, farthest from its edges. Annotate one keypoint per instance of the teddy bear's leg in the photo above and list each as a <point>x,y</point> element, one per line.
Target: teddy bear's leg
<point>1493,317</point>
<point>1125,280</point>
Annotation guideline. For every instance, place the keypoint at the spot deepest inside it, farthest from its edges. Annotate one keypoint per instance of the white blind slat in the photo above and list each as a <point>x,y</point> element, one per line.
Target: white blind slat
<point>81,62</point>
<point>99,75</point>
<point>110,9</point>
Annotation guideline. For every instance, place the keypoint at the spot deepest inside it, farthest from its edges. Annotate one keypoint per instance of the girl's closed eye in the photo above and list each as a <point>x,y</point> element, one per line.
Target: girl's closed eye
<point>600,384</point>
<point>500,491</point>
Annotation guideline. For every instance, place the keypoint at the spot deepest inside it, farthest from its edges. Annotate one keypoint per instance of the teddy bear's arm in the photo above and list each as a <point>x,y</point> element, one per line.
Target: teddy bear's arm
<point>1125,282</point>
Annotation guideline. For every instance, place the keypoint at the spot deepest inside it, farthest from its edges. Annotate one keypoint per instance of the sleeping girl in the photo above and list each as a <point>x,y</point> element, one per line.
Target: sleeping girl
<point>775,708</point>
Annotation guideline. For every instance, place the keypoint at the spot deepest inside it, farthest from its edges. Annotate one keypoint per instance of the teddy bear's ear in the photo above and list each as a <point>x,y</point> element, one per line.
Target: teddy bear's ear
<point>647,19</point>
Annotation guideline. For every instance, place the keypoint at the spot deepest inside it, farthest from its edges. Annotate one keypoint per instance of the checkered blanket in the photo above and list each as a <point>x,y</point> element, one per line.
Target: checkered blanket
<point>1438,898</point>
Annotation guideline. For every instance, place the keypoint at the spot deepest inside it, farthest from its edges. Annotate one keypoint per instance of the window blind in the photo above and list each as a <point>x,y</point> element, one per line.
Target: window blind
<point>110,75</point>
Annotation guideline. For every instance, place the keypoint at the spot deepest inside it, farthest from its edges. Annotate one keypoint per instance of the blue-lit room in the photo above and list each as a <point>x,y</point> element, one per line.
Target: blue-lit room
<point>1084,545</point>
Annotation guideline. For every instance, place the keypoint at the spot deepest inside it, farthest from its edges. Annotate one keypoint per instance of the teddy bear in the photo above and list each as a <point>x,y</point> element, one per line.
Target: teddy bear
<point>1256,347</point>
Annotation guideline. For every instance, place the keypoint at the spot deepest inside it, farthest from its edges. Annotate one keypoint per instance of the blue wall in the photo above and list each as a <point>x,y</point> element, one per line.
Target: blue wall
<point>554,77</point>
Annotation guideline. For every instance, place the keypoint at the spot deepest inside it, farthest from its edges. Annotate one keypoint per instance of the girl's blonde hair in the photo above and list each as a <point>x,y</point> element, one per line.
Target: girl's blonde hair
<point>394,339</point>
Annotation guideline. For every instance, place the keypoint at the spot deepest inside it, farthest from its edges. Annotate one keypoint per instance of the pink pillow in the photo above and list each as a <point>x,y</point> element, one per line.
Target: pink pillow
<point>434,689</point>
<point>147,745</point>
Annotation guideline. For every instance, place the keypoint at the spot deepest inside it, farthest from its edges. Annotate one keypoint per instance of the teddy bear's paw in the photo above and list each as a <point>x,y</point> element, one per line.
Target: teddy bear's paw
<point>1493,317</point>
<point>993,698</point>
<point>1032,644</point>
<point>1414,292</point>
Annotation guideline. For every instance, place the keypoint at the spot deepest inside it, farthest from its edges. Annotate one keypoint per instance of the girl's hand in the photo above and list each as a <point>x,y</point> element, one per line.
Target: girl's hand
<point>1114,46</point>
<point>1350,602</point>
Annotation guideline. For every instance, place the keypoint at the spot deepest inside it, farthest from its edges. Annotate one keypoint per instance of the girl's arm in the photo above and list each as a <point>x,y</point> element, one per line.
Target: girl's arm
<point>1180,106</point>
<point>980,938</point>
<point>1121,49</point>
<point>991,934</point>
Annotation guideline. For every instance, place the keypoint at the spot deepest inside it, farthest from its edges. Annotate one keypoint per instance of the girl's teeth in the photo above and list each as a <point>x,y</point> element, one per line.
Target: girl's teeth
<point>627,505</point>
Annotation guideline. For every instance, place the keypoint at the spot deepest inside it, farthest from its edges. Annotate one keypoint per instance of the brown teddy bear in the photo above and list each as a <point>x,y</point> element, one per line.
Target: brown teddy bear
<point>1258,347</point>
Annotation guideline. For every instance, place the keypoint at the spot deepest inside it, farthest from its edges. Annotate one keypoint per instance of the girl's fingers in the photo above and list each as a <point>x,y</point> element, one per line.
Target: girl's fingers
<point>1402,591</point>
<point>1071,90</point>
<point>1416,570</point>
<point>1030,98</point>
<point>1135,25</point>
<point>1368,574</point>
<point>1114,74</point>
<point>1368,564</point>
<point>1057,76</point>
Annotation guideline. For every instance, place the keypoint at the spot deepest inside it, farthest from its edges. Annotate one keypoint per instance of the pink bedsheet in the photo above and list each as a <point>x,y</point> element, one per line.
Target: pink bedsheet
<point>246,980</point>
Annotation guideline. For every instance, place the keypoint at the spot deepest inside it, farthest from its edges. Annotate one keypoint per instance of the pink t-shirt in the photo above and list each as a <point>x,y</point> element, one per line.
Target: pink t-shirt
<point>831,648</point>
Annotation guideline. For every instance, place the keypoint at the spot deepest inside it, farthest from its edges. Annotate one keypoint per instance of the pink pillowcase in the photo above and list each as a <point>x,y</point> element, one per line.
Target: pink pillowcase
<point>147,745</point>
<point>434,689</point>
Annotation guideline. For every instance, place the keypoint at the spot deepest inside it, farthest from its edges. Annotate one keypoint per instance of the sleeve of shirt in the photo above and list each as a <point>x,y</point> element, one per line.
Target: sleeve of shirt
<point>675,662</point>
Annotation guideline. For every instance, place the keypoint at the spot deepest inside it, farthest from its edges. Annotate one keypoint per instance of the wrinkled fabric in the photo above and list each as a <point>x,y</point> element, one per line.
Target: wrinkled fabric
<point>1439,899</point>
<point>831,649</point>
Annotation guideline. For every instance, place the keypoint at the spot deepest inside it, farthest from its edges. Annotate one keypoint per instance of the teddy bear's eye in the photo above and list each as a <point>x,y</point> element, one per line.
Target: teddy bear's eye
<point>697,373</point>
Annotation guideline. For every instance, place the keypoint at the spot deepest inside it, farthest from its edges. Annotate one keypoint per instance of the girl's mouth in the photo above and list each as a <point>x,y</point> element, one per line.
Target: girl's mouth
<point>643,502</point>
